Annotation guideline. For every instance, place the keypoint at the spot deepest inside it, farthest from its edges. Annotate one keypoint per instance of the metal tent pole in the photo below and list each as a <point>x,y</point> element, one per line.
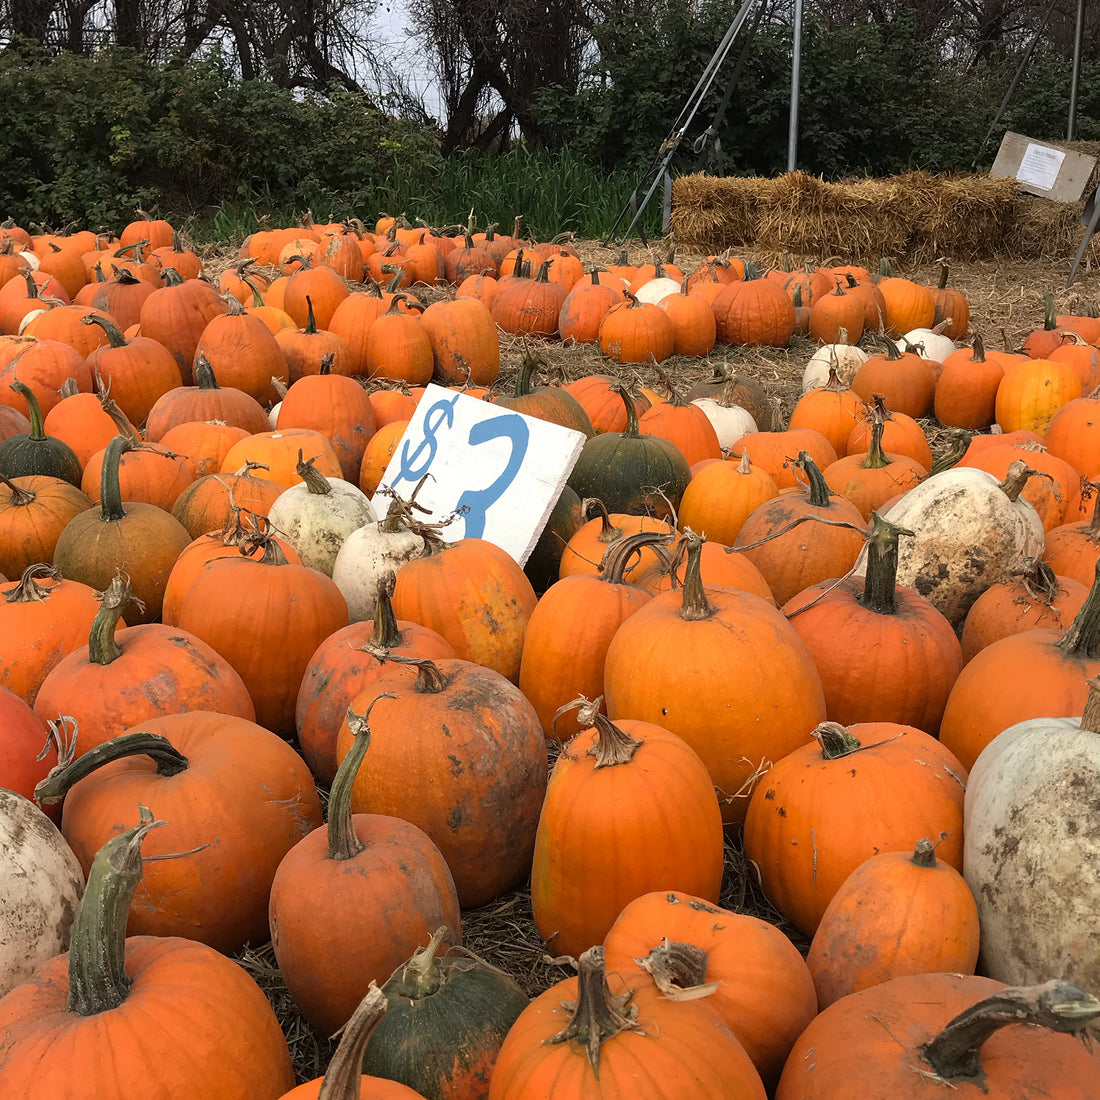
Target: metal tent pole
<point>1078,38</point>
<point>796,73</point>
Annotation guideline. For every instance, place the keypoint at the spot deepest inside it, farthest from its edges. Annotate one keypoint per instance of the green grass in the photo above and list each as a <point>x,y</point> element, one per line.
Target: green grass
<point>555,193</point>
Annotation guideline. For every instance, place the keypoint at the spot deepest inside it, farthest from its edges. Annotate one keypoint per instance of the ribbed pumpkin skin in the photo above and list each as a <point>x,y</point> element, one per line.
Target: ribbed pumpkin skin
<point>608,835</point>
<point>474,595</point>
<point>147,476</point>
<point>722,496</point>
<point>464,342</point>
<point>678,1052</point>
<point>631,331</point>
<point>874,667</point>
<point>278,451</point>
<point>892,918</point>
<point>908,305</point>
<point>242,785</point>
<point>765,995</point>
<point>754,312</point>
<point>244,354</point>
<point>869,1042</point>
<point>684,425</point>
<point>162,671</point>
<point>179,1029</point>
<point>482,808</point>
<point>176,316</point>
<point>689,677</point>
<point>399,878</point>
<point>444,1044</point>
<point>266,621</point>
<point>338,672</point>
<point>145,543</point>
<point>29,532</point>
<point>812,821</point>
<point>193,403</point>
<point>1031,393</point>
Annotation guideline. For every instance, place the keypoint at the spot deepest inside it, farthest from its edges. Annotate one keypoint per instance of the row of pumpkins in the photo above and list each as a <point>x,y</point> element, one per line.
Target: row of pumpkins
<point>168,636</point>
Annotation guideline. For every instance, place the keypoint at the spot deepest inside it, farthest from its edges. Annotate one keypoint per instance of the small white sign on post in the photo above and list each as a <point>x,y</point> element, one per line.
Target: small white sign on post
<point>501,472</point>
<point>1040,165</point>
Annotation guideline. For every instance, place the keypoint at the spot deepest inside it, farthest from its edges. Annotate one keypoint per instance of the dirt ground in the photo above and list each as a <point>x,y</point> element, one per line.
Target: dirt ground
<point>1006,301</point>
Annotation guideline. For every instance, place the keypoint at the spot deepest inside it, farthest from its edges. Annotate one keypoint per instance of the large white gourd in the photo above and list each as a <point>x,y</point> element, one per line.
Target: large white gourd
<point>317,515</point>
<point>1030,849</point>
<point>730,422</point>
<point>971,531</point>
<point>845,359</point>
<point>930,344</point>
<point>368,554</point>
<point>41,884</point>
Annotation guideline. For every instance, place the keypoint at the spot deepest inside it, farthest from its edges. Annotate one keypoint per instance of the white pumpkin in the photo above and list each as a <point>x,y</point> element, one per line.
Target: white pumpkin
<point>845,359</point>
<point>317,515</point>
<point>1030,851</point>
<point>656,290</point>
<point>929,344</point>
<point>273,416</point>
<point>970,533</point>
<point>368,554</point>
<point>730,422</point>
<point>41,884</point>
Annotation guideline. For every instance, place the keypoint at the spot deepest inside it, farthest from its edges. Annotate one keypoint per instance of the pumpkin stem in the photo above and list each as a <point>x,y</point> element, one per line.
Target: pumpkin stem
<point>957,447</point>
<point>531,362</point>
<point>1082,639</point>
<point>598,1014</point>
<point>631,431</point>
<point>311,320</point>
<point>1050,319</point>
<point>678,970</point>
<point>420,975</point>
<point>343,843</point>
<point>608,531</point>
<point>386,633</point>
<point>880,587</point>
<point>818,491</point>
<point>20,497</point>
<point>924,854</point>
<point>618,555</point>
<point>430,678</point>
<point>694,606</point>
<point>346,1068</point>
<point>116,339</point>
<point>315,481</point>
<point>1090,719</point>
<point>876,459</point>
<point>169,761</point>
<point>1019,473</point>
<point>28,590</point>
<point>172,277</point>
<point>612,745</point>
<point>955,1053</point>
<point>37,432</point>
<point>97,956</point>
<point>103,648</point>
<point>110,493</point>
<point>204,374</point>
<point>835,740</point>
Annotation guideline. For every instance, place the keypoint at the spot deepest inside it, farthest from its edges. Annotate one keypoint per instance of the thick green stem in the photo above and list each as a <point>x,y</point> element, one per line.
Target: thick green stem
<point>343,843</point>
<point>97,953</point>
<point>880,587</point>
<point>818,490</point>
<point>835,740</point>
<point>103,648</point>
<point>116,339</point>
<point>694,606</point>
<point>37,432</point>
<point>955,1053</point>
<point>110,492</point>
<point>876,459</point>
<point>169,761</point>
<point>346,1068</point>
<point>631,431</point>
<point>1082,639</point>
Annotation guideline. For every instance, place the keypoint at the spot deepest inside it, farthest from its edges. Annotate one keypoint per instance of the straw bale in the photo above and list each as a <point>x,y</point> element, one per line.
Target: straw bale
<point>964,217</point>
<point>716,213</point>
<point>1046,230</point>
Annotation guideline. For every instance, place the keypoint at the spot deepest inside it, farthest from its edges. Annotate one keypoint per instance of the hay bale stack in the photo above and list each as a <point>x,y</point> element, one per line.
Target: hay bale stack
<point>857,221</point>
<point>1046,230</point>
<point>915,218</point>
<point>716,213</point>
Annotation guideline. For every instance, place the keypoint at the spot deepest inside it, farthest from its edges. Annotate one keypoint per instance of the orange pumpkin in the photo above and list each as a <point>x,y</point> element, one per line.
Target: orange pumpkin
<point>721,496</point>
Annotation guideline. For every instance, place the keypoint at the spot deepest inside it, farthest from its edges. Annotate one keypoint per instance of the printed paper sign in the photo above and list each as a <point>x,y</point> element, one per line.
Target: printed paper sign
<point>499,470</point>
<point>1040,166</point>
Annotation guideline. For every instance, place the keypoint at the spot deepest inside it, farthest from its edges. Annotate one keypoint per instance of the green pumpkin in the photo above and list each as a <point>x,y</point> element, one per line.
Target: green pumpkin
<point>631,473</point>
<point>444,1025</point>
<point>34,452</point>
<point>551,403</point>
<point>544,562</point>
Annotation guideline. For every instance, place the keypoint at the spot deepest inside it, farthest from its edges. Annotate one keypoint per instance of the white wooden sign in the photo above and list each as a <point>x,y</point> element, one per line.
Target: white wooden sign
<point>1043,169</point>
<point>501,472</point>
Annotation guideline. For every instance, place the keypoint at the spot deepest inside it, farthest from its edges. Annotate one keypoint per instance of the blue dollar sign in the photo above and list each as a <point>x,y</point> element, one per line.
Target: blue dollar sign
<point>477,502</point>
<point>413,464</point>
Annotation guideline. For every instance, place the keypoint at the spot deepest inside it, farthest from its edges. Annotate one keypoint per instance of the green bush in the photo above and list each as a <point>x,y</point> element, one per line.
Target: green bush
<point>89,139</point>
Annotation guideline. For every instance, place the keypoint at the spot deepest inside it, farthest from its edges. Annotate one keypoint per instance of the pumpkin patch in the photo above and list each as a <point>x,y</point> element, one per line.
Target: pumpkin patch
<point>658,791</point>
